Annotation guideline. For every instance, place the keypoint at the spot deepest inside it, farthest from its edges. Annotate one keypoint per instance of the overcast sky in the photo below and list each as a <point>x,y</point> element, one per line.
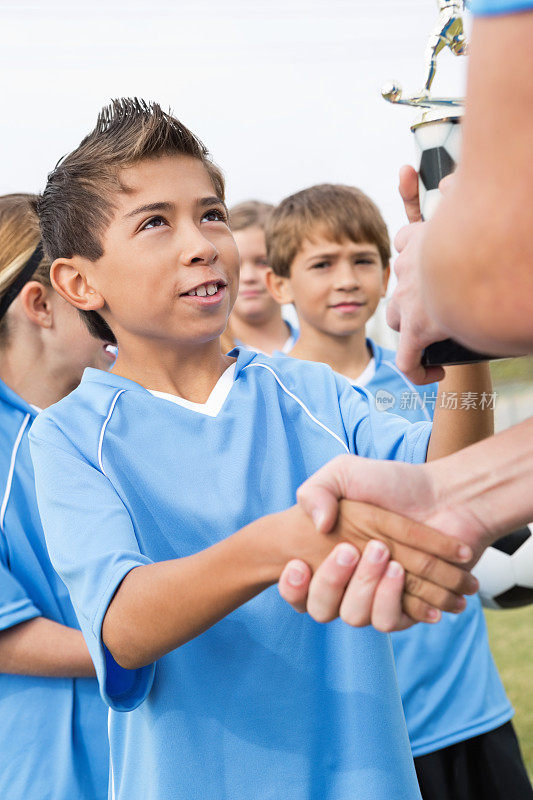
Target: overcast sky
<point>284,93</point>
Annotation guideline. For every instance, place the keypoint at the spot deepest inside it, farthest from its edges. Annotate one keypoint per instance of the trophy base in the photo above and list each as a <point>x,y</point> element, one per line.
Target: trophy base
<point>449,353</point>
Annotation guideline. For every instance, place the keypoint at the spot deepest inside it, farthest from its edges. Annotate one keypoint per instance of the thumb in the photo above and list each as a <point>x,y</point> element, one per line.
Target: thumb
<point>409,193</point>
<point>409,360</point>
<point>321,503</point>
<point>320,494</point>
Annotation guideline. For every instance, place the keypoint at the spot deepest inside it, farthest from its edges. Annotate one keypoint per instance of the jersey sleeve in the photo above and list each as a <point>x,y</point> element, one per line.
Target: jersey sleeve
<point>379,434</point>
<point>92,546</point>
<point>489,7</point>
<point>15,605</point>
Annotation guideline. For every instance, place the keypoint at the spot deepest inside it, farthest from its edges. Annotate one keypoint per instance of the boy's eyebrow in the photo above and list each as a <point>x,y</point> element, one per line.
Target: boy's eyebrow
<point>209,201</point>
<point>160,206</point>
<point>165,205</point>
<point>363,253</point>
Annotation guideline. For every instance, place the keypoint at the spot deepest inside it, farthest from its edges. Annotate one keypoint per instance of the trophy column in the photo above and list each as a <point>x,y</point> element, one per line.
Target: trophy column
<point>438,143</point>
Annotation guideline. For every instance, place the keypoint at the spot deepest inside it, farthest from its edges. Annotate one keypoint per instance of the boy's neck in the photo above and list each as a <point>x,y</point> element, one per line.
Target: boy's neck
<point>348,355</point>
<point>269,336</point>
<point>188,371</point>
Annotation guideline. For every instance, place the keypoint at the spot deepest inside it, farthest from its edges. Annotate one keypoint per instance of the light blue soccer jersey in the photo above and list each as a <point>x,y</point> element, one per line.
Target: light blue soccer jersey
<point>267,703</point>
<point>482,7</point>
<point>449,683</point>
<point>53,731</point>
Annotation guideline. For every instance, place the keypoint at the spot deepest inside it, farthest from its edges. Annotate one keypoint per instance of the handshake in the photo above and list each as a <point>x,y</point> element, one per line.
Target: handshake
<point>389,568</point>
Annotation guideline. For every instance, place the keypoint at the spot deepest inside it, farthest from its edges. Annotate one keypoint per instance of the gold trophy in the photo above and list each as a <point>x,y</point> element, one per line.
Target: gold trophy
<point>437,135</point>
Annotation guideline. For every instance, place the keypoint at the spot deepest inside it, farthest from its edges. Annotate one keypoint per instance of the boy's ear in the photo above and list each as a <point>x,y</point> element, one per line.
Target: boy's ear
<point>385,280</point>
<point>35,302</point>
<point>70,282</point>
<point>279,287</point>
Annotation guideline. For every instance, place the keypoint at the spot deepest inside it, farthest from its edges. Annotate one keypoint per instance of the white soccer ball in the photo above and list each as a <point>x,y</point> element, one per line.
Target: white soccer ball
<point>505,571</point>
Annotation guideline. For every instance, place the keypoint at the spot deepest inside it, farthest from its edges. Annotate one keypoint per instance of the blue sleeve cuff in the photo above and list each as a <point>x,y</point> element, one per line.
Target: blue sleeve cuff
<point>121,689</point>
<point>492,7</point>
<point>19,611</point>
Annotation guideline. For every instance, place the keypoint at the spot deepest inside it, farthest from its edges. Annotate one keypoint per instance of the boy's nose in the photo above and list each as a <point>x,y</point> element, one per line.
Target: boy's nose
<point>347,281</point>
<point>198,250</point>
<point>248,273</point>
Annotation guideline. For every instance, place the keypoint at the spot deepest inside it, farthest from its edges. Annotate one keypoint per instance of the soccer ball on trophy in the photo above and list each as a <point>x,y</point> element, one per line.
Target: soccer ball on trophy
<point>505,571</point>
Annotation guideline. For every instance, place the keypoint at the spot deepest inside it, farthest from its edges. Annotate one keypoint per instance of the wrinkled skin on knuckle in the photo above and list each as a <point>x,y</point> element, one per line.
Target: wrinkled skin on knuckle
<point>415,608</point>
<point>426,565</point>
<point>413,584</point>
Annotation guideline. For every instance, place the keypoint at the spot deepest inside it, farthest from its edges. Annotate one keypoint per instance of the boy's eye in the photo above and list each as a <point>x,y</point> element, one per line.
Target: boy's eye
<point>320,265</point>
<point>214,215</point>
<point>154,222</point>
<point>365,261</point>
<point>261,262</point>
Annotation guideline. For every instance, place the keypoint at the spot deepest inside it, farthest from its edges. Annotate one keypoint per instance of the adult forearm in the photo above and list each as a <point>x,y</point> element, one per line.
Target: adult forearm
<point>490,482</point>
<point>477,254</point>
<point>45,648</point>
<point>463,411</point>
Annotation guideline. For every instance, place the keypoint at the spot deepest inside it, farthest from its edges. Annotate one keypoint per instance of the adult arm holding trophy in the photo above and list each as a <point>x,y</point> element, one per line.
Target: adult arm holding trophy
<point>466,273</point>
<point>478,283</point>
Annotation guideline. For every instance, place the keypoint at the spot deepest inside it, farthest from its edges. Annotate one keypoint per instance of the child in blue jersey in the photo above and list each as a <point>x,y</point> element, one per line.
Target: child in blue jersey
<point>166,490</point>
<point>256,321</point>
<point>53,724</point>
<point>329,252</point>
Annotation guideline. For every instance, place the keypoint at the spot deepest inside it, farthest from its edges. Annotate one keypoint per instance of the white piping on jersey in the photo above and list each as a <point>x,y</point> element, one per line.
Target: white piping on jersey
<point>12,469</point>
<point>111,771</point>
<point>102,432</point>
<point>409,384</point>
<point>301,404</point>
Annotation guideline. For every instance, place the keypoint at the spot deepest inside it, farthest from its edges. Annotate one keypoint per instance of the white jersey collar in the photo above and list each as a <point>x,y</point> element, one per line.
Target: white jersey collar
<point>367,374</point>
<point>214,402</point>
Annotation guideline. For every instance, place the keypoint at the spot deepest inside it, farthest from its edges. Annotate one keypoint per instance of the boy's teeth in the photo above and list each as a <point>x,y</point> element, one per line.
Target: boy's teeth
<point>204,290</point>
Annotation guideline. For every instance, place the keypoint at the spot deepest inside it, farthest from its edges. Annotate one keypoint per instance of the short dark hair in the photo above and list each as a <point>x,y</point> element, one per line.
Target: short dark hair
<point>342,212</point>
<point>77,203</point>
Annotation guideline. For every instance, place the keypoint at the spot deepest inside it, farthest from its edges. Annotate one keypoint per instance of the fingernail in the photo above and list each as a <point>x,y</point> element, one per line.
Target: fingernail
<point>376,552</point>
<point>295,576</point>
<point>394,570</point>
<point>465,553</point>
<point>318,517</point>
<point>346,555</point>
<point>433,615</point>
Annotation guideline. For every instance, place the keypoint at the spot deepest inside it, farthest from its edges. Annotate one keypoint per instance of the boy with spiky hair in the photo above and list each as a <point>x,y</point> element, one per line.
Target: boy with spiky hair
<point>329,252</point>
<point>166,490</point>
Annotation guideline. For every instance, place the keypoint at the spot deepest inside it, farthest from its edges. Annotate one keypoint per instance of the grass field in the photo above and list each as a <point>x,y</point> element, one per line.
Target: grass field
<point>511,640</point>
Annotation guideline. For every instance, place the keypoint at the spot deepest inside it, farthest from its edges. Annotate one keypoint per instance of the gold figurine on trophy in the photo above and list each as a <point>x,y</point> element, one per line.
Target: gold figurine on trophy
<point>448,32</point>
<point>438,138</point>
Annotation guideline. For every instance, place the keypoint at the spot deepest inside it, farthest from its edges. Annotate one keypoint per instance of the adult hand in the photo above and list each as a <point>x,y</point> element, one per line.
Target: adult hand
<point>406,310</point>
